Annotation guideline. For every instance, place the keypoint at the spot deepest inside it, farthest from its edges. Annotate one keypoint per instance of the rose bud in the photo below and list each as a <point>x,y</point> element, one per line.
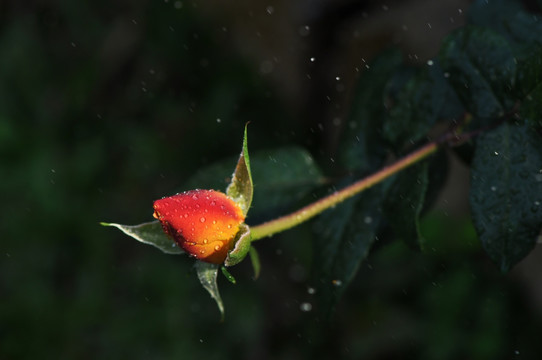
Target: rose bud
<point>203,223</point>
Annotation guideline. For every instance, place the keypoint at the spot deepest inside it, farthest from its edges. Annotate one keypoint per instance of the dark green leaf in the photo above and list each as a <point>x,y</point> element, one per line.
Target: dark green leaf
<point>506,192</point>
<point>508,18</point>
<point>426,98</point>
<point>150,233</point>
<point>529,76</point>
<point>405,202</point>
<point>281,177</point>
<point>531,108</point>
<point>207,274</point>
<point>343,238</point>
<point>362,147</point>
<point>481,67</point>
<point>241,189</point>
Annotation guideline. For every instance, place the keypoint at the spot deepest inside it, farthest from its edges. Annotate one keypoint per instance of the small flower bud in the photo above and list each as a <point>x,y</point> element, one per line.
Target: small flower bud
<point>203,223</point>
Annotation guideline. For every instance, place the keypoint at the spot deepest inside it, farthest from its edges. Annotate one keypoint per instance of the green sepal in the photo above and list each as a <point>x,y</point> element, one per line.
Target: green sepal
<point>241,247</point>
<point>149,233</point>
<point>240,189</point>
<point>227,275</point>
<point>255,259</point>
<point>207,274</point>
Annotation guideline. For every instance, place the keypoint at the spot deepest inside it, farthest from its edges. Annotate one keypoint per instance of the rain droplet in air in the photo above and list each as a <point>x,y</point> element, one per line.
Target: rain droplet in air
<point>305,307</point>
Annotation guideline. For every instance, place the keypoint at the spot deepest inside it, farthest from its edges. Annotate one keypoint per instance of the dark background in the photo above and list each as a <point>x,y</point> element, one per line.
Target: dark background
<point>106,106</point>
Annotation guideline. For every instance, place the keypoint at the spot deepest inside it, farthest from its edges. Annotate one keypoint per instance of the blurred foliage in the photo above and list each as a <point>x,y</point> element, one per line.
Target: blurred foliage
<point>107,106</point>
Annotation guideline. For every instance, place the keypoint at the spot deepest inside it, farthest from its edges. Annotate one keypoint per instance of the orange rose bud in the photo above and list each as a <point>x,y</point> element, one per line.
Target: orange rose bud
<point>202,222</point>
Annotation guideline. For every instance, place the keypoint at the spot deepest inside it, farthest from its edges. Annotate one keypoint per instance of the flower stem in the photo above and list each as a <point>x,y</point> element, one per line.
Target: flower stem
<point>288,221</point>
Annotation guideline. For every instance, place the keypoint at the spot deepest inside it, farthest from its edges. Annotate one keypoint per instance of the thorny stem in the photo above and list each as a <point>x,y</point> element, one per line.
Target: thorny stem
<point>288,221</point>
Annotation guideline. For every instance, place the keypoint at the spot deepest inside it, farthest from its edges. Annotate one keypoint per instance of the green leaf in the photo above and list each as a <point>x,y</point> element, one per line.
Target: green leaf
<point>241,247</point>
<point>282,176</point>
<point>419,105</point>
<point>506,192</point>
<point>362,145</point>
<point>531,108</point>
<point>240,188</point>
<point>481,67</point>
<point>426,98</point>
<point>343,238</point>
<point>508,18</point>
<point>405,201</point>
<point>207,274</point>
<point>149,233</point>
<point>529,76</point>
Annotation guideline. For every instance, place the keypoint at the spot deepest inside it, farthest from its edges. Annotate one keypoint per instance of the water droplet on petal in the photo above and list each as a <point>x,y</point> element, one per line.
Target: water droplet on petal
<point>217,247</point>
<point>202,219</point>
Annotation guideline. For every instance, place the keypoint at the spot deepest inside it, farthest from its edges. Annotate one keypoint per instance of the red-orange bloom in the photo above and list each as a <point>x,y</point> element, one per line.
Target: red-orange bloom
<point>202,222</point>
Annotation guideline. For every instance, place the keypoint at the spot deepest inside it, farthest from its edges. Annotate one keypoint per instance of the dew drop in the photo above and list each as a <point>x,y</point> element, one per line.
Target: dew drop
<point>202,219</point>
<point>306,307</point>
